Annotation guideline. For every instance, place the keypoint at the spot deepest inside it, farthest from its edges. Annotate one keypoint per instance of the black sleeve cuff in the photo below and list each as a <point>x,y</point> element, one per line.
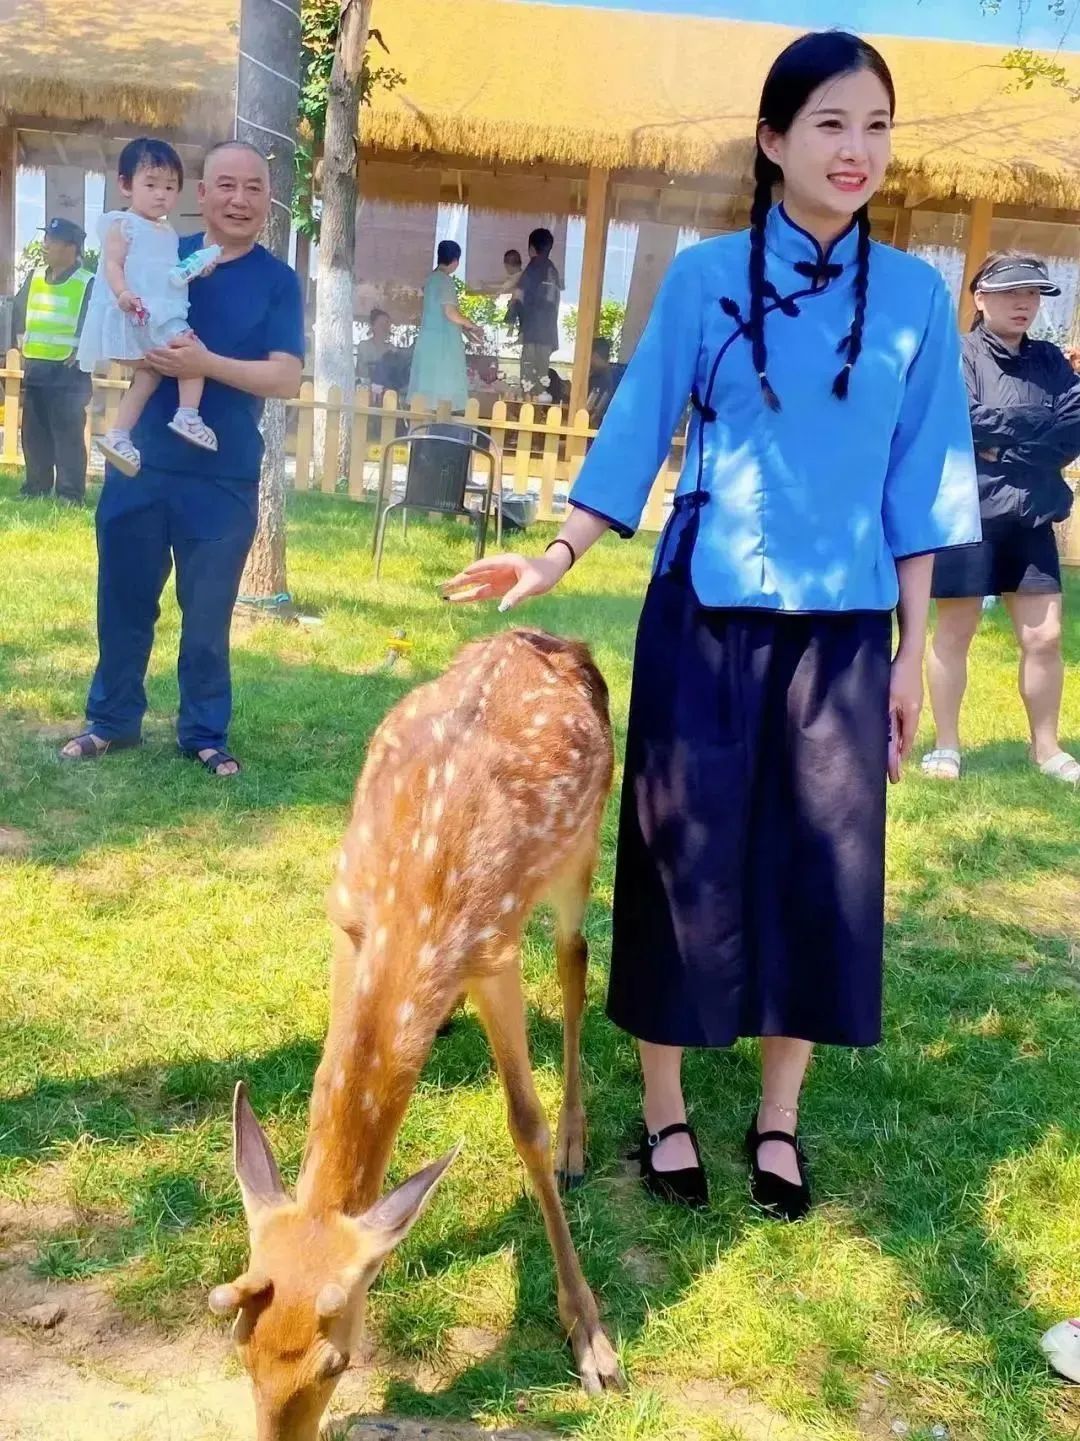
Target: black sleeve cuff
<point>624,532</point>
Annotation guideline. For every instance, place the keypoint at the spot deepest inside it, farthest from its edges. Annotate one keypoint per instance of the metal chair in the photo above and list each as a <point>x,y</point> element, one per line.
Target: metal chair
<point>438,477</point>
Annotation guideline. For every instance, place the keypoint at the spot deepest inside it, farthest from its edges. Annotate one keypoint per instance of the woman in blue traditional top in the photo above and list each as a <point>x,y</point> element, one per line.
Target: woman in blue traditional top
<point>829,457</point>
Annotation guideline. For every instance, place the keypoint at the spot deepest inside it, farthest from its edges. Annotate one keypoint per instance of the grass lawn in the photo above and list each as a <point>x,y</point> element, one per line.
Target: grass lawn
<point>164,934</point>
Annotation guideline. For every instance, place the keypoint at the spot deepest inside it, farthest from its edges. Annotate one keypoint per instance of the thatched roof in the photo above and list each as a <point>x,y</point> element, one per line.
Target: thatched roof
<point>516,83</point>
<point>167,64</point>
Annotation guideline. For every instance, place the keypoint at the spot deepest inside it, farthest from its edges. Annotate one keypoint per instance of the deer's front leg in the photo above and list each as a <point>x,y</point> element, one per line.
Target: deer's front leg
<point>501,1006</point>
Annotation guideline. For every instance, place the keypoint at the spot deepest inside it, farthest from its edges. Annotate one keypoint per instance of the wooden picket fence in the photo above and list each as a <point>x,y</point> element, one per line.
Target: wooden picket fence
<point>542,451</point>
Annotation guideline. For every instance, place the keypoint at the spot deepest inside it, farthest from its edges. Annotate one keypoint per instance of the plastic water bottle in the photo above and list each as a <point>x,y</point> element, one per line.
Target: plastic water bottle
<point>194,265</point>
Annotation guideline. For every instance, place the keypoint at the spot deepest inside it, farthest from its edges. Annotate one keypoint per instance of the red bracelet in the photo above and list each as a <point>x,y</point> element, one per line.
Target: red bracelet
<point>559,541</point>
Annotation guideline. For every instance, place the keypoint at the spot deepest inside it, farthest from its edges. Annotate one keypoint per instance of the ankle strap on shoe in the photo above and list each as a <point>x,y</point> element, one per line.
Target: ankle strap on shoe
<point>680,1128</point>
<point>793,1141</point>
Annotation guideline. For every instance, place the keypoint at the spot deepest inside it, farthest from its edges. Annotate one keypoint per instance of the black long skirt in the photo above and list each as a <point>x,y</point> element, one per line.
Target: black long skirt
<point>750,880</point>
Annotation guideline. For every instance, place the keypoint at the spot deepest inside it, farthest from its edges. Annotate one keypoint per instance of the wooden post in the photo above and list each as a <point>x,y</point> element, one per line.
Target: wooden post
<point>9,164</point>
<point>980,218</point>
<point>901,236</point>
<point>592,283</point>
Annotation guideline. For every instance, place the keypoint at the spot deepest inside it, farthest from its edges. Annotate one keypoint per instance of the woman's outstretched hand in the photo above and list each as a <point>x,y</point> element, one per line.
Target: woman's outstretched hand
<point>509,579</point>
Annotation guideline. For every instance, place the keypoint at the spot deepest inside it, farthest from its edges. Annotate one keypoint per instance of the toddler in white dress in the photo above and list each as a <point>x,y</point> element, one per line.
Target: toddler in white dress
<point>140,300</point>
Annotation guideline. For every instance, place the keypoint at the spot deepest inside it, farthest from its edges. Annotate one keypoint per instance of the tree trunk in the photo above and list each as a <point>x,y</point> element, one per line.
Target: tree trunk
<point>267,89</point>
<point>337,233</point>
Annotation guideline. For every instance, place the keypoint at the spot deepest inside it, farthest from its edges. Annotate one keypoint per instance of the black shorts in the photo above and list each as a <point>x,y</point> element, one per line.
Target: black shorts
<point>1010,558</point>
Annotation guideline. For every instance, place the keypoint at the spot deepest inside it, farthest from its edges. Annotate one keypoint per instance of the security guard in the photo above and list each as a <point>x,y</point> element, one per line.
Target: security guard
<point>49,312</point>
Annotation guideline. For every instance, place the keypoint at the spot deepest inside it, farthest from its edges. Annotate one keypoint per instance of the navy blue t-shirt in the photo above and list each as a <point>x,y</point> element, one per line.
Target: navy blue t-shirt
<point>246,309</point>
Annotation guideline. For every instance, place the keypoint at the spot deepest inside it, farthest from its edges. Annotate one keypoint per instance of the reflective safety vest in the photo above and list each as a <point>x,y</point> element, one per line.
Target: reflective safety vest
<point>52,315</point>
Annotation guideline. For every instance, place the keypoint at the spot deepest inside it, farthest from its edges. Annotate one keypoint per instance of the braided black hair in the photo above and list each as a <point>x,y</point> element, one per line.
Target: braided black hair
<point>852,341</point>
<point>796,73</point>
<point>766,174</point>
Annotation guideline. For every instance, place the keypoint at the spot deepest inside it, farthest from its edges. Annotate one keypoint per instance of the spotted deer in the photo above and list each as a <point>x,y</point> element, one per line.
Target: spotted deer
<point>481,794</point>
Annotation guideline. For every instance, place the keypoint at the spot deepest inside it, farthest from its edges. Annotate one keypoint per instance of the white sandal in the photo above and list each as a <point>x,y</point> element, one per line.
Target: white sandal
<point>195,431</point>
<point>942,765</point>
<point>119,452</point>
<point>1062,767</point>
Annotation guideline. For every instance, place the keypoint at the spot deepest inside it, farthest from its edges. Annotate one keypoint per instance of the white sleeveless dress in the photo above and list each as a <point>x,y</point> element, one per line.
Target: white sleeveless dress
<point>110,334</point>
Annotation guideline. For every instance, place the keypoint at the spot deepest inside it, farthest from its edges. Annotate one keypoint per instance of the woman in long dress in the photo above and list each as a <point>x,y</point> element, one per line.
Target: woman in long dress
<point>438,367</point>
<point>829,456</point>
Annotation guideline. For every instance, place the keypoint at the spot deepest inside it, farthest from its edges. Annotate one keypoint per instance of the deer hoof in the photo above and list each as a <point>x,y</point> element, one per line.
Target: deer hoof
<point>597,1363</point>
<point>570,1180</point>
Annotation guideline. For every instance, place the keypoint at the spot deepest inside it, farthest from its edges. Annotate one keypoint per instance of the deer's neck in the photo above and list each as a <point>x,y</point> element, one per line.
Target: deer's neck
<point>370,1063</point>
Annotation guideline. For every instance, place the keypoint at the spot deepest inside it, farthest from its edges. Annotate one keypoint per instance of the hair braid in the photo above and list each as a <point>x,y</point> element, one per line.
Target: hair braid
<point>852,342</point>
<point>765,173</point>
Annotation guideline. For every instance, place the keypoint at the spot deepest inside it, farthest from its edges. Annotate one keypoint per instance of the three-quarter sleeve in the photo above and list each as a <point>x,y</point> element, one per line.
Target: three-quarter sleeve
<point>636,433</point>
<point>931,499</point>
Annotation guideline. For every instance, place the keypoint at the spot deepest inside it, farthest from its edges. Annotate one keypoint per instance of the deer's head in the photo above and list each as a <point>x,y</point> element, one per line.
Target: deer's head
<point>299,1306</point>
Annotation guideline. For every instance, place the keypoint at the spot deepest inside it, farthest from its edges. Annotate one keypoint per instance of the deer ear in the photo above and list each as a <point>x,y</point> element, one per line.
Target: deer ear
<point>392,1216</point>
<point>253,1160</point>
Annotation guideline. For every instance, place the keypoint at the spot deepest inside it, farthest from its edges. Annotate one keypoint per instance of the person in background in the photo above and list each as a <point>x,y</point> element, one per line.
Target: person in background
<point>439,372</point>
<point>378,359</point>
<point>49,312</point>
<point>191,509</point>
<point>537,297</point>
<point>601,379</point>
<point>1072,355</point>
<point>1024,398</point>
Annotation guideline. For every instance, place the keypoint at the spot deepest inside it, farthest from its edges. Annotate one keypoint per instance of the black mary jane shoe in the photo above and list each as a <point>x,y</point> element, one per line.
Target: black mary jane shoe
<point>688,1187</point>
<point>771,1192</point>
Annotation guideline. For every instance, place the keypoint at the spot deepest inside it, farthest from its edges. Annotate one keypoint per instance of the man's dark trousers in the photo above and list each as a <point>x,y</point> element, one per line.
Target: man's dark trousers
<point>145,525</point>
<point>54,436</point>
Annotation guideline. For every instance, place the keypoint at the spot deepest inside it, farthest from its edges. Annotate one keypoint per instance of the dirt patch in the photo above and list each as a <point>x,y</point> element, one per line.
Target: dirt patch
<point>74,1368</point>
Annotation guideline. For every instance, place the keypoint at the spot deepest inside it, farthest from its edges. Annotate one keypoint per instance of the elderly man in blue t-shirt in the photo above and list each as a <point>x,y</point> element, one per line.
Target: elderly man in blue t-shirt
<point>196,509</point>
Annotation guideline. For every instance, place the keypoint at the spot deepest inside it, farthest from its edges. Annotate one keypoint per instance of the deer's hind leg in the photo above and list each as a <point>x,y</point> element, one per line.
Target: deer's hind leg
<point>570,896</point>
<point>501,1005</point>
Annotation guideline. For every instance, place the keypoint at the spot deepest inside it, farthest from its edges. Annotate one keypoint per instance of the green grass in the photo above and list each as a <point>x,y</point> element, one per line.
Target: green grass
<point>164,935</point>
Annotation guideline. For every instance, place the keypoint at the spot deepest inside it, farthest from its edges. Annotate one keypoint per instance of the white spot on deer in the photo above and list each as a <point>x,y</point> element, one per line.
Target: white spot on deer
<point>425,956</point>
<point>391,895</point>
<point>530,695</point>
<point>392,868</point>
<point>425,915</point>
<point>415,843</point>
<point>453,878</point>
<point>368,1100</point>
<point>487,934</point>
<point>338,1083</point>
<point>406,1013</point>
<point>449,772</point>
<point>343,895</point>
<point>430,847</point>
<point>361,982</point>
<point>438,805</point>
<point>432,777</point>
<point>438,732</point>
<point>411,709</point>
<point>379,940</point>
<point>508,902</point>
<point>573,754</point>
<point>342,863</point>
<point>540,720</point>
<point>551,678</point>
<point>390,739</point>
<point>399,785</point>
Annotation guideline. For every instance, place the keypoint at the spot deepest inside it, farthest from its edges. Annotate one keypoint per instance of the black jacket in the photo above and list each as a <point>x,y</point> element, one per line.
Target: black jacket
<point>1025,414</point>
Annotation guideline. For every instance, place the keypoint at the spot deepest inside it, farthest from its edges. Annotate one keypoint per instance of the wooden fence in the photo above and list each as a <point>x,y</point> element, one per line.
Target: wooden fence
<point>542,452</point>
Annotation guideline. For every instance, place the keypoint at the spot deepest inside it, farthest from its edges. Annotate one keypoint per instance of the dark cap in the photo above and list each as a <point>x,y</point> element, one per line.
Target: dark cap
<point>1011,273</point>
<point>66,231</point>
